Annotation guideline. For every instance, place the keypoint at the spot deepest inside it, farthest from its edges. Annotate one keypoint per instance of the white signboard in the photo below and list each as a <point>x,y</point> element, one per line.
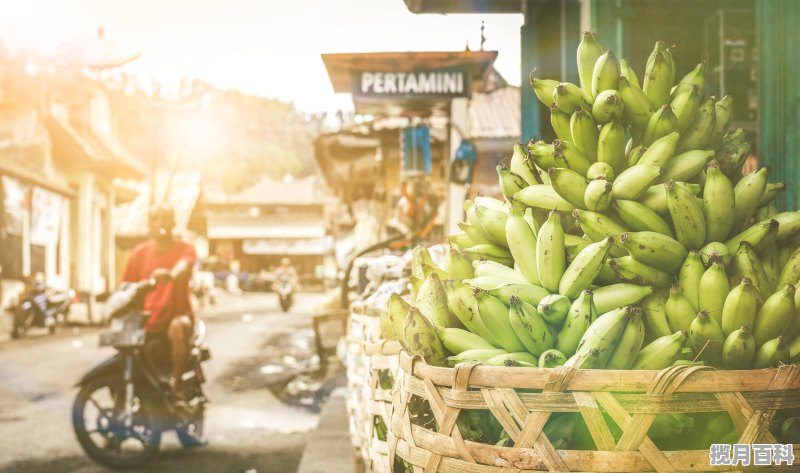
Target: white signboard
<point>45,217</point>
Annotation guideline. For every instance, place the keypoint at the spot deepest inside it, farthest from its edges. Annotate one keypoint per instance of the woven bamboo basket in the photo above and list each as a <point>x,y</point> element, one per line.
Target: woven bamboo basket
<point>372,364</point>
<point>631,398</point>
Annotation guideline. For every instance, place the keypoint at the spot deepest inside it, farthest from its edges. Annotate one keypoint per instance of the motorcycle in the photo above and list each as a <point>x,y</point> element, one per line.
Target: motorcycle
<point>43,307</point>
<point>124,404</point>
<point>285,293</point>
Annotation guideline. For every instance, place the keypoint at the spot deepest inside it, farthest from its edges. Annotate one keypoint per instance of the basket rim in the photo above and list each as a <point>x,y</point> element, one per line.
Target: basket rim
<point>593,380</point>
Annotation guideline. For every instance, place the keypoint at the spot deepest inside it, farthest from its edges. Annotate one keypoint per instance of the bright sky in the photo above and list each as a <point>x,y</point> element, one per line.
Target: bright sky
<point>268,47</point>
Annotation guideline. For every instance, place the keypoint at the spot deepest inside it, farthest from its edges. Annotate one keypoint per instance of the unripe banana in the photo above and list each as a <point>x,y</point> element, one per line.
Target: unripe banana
<point>679,310</point>
<point>718,203</point>
<point>606,72</point>
<point>551,358</point>
<point>493,223</point>
<point>518,165</point>
<point>718,249</point>
<point>634,181</point>
<point>559,120</point>
<point>580,316</point>
<point>634,155</point>
<point>791,270</point>
<point>568,184</point>
<point>584,133</point>
<point>696,76</point>
<point>611,148</point>
<point>393,318</point>
<point>756,235</point>
<point>687,216</point>
<point>535,219</point>
<point>654,249</point>
<point>657,79</point>
<point>661,123</point>
<point>626,71</point>
<point>618,295</point>
<point>685,102</point>
<point>419,257</point>
<point>739,349</point>
<point>662,149</point>
<point>660,353</point>
<point>789,225</point>
<point>497,270</point>
<point>589,51</point>
<point>628,269</point>
<point>544,197</point>
<point>474,235</point>
<point>707,338</point>
<point>456,340</point>
<point>714,289</point>
<point>746,264</point>
<point>775,315</point>
<point>568,97</point>
<point>629,344</point>
<point>771,264</point>
<point>699,133</point>
<point>542,154</point>
<point>600,169</point>
<point>421,338</point>
<point>603,335</point>
<point>461,302</point>
<point>514,359</point>
<point>772,354</point>
<point>492,252</point>
<point>765,212</point>
<point>770,192</point>
<point>522,244</point>
<point>585,361</point>
<point>554,308</point>
<point>550,255</point>
<point>510,182</point>
<point>428,269</point>
<point>689,277</point>
<point>494,315</point>
<point>608,107</point>
<point>597,195</point>
<point>544,89</point>
<point>567,155</point>
<point>530,327</point>
<point>457,265</point>
<point>584,268</point>
<point>655,197</point>
<point>529,293</point>
<point>431,301</point>
<point>723,112</point>
<point>461,239</point>
<point>747,193</point>
<point>640,218</point>
<point>599,226</point>
<point>638,108</point>
<point>686,165</point>
<point>654,313</point>
<point>479,355</point>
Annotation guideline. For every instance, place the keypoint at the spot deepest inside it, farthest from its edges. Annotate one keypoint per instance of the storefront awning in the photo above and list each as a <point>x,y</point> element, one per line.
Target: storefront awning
<point>52,183</point>
<point>240,232</point>
<point>312,246</point>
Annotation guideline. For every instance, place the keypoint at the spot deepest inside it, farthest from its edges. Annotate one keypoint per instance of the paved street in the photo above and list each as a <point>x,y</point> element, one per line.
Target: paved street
<point>250,427</point>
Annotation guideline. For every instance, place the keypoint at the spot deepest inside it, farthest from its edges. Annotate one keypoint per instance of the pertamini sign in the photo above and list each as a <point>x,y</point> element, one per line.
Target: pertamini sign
<point>434,83</point>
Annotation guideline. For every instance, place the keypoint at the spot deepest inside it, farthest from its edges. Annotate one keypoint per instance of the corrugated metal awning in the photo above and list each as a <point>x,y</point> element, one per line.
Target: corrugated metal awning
<point>495,115</point>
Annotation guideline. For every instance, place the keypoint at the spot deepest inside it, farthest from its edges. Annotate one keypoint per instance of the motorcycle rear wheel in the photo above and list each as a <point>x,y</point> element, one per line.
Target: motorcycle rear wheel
<point>105,439</point>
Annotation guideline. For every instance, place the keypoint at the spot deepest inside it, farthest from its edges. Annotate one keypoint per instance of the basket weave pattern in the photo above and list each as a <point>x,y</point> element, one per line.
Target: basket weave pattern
<point>631,398</point>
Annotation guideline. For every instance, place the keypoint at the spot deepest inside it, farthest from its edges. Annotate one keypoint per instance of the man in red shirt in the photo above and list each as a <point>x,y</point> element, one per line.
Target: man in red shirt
<point>169,261</point>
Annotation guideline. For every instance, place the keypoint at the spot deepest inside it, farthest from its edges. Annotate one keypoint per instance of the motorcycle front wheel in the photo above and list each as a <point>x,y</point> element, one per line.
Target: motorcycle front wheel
<point>98,418</point>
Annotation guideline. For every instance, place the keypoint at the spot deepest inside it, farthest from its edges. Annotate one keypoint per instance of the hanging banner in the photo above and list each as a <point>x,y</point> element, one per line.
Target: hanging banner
<point>13,204</point>
<point>434,83</point>
<point>45,217</point>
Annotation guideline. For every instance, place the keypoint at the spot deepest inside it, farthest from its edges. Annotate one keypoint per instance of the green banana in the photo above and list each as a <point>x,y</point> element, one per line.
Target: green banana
<point>457,340</point>
<point>686,165</point>
<point>776,315</point>
<point>568,184</point>
<point>699,133</point>
<point>640,218</point>
<point>428,269</point>
<point>630,342</point>
<point>561,429</point>
<point>638,108</point>
<point>431,301</point>
<point>628,269</point>
<point>608,107</point>
<point>457,265</point>
<point>661,123</point>
<point>654,313</point>
<point>626,71</point>
<point>559,120</point>
<point>723,113</point>
<point>530,327</point>
<point>746,264</point>
<point>739,349</point>
<point>670,426</point>
<point>589,51</point>
<point>522,244</point>
<point>597,195</point>
<point>514,359</point>
<point>772,353</point>
<point>791,270</point>
<point>474,235</point>
<point>535,219</point>
<point>679,310</point>
<point>599,226</point>
<point>611,148</point>
<point>685,102</point>
<point>714,288</point>
<point>747,194</point>
<point>580,316</point>
<point>618,295</point>
<point>494,315</point>
<point>600,168</point>
<point>530,293</point>
<point>718,249</point>
<point>584,133</point>
<point>461,302</point>
<point>584,268</point>
<point>689,276</point>
<point>481,355</point>
<point>568,97</point>
<point>550,254</point>
<point>519,166</point>
<point>696,76</point>
<point>568,155</point>
<point>660,353</point>
<point>421,338</point>
<point>490,251</point>
<point>654,249</point>
<point>491,268</point>
<point>765,212</point>
<point>770,192</point>
<point>392,319</point>
<point>661,151</point>
<point>461,240</point>
<point>756,235</point>
<point>657,79</point>
<point>493,222</point>
<point>510,182</point>
<point>553,308</point>
<point>544,197</point>
<point>603,335</point>
<point>707,338</point>
<point>741,306</point>
<point>634,181</point>
<point>655,197</point>
<point>544,89</point>
<point>419,257</point>
<point>789,225</point>
<point>540,154</point>
<point>718,203</point>
<point>687,216</point>
<point>587,361</point>
<point>551,358</point>
<point>606,72</point>
<point>771,264</point>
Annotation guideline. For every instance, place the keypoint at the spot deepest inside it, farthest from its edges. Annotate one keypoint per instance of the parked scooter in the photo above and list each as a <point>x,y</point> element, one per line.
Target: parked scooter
<point>41,306</point>
<point>124,404</point>
<point>285,292</point>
